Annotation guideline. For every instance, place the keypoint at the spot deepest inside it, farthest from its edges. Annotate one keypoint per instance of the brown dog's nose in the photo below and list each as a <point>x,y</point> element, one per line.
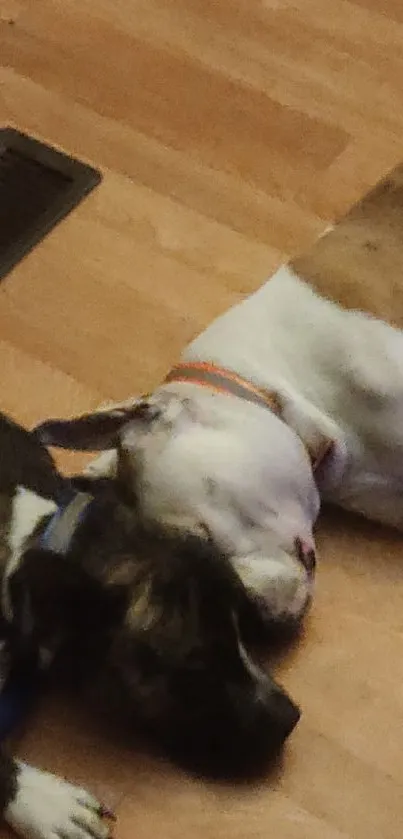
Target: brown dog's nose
<point>288,715</point>
<point>306,555</point>
<point>282,711</point>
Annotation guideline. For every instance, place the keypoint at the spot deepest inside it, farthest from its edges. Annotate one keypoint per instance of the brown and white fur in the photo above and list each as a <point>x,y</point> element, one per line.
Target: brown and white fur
<point>36,804</point>
<point>212,463</point>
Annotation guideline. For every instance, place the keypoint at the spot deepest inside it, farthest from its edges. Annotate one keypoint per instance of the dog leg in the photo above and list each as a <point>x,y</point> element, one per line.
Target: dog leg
<point>38,805</point>
<point>376,496</point>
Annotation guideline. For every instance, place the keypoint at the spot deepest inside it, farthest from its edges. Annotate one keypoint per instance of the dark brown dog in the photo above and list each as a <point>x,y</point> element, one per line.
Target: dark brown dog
<point>153,619</point>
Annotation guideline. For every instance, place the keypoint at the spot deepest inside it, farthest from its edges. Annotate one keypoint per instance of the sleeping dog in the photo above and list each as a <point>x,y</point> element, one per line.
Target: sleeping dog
<point>149,618</point>
<point>284,401</point>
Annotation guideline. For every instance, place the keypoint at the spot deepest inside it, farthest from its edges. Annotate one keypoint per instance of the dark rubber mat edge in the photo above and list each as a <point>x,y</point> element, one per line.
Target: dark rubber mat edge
<point>84,179</point>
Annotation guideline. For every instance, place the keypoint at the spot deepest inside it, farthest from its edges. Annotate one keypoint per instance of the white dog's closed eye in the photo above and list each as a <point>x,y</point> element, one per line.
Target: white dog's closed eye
<point>103,466</point>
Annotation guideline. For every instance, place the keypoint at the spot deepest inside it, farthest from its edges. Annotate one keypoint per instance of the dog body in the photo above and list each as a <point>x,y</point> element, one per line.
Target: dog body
<point>212,463</point>
<point>338,376</point>
<point>36,804</point>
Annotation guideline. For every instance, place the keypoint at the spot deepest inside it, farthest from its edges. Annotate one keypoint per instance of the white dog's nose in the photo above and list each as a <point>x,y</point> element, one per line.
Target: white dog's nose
<point>306,555</point>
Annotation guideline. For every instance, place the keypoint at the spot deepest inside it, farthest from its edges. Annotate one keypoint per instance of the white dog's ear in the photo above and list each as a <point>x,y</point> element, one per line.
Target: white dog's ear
<point>96,431</point>
<point>317,432</point>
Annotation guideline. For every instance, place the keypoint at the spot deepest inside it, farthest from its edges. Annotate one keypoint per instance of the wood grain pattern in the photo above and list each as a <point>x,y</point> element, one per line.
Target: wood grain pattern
<point>229,133</point>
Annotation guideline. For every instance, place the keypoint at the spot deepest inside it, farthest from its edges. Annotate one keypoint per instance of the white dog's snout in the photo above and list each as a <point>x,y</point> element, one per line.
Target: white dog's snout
<point>281,583</point>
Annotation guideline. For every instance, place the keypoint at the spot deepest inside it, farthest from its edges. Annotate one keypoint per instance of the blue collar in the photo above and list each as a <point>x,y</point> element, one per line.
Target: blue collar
<point>73,507</point>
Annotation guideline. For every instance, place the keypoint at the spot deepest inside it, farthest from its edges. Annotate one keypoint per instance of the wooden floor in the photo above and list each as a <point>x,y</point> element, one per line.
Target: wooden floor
<point>229,132</point>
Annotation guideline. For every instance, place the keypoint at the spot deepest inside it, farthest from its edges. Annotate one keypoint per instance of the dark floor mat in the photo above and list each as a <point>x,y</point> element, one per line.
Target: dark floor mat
<point>38,187</point>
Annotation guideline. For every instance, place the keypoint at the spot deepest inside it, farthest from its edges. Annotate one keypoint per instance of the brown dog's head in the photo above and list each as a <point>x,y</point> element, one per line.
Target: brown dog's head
<point>177,662</point>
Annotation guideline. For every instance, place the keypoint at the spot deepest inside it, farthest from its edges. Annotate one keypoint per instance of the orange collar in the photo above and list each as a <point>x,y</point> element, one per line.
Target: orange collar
<point>221,380</point>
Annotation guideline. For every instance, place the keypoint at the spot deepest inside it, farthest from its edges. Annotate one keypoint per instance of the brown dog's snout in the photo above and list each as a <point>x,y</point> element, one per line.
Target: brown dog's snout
<point>284,714</point>
<point>242,741</point>
<point>266,716</point>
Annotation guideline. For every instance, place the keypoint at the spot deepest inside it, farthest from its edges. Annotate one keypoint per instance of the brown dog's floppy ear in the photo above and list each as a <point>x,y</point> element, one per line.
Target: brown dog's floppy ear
<point>51,595</point>
<point>97,431</point>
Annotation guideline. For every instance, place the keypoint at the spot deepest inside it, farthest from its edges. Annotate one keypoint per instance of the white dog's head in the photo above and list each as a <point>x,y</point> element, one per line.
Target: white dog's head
<point>218,468</point>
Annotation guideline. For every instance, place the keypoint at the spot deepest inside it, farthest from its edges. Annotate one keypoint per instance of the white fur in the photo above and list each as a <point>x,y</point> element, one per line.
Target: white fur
<point>105,464</point>
<point>282,585</point>
<point>46,807</point>
<point>27,511</point>
<point>242,472</point>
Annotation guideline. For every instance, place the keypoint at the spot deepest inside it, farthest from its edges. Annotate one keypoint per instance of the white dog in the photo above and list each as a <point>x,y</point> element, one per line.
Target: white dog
<point>283,401</point>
